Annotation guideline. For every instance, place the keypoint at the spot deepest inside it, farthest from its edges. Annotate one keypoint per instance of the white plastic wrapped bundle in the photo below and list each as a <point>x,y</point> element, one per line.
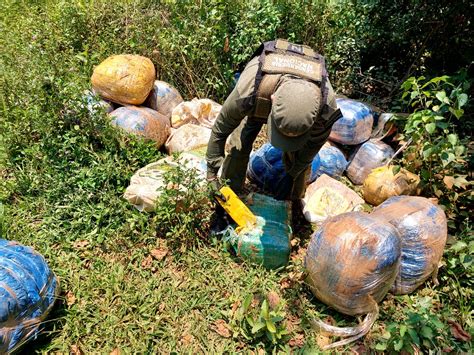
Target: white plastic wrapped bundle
<point>201,112</point>
<point>370,155</point>
<point>188,137</point>
<point>423,230</point>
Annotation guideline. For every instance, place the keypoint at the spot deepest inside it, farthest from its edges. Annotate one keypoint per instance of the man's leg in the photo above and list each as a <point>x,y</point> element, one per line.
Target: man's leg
<point>234,168</point>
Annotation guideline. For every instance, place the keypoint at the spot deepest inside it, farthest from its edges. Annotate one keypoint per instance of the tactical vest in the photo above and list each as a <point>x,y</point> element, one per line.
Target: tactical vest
<point>280,57</point>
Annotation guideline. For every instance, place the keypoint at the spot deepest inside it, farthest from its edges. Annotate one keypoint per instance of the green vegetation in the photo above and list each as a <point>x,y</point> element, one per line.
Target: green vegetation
<point>124,284</point>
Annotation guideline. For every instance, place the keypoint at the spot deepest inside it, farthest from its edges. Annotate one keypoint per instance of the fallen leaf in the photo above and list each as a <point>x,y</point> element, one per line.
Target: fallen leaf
<point>285,283</point>
<point>458,332</point>
<point>80,244</point>
<point>147,262</point>
<point>221,328</point>
<point>226,45</point>
<point>297,341</point>
<point>75,350</point>
<point>70,298</point>
<point>235,306</point>
<point>273,299</point>
<point>159,254</point>
<point>449,181</point>
<point>187,339</point>
<point>116,351</point>
<point>322,340</point>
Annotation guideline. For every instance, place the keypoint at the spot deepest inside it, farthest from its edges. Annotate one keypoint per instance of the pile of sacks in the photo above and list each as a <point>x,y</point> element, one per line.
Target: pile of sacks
<point>355,148</point>
<point>356,258</point>
<point>125,86</point>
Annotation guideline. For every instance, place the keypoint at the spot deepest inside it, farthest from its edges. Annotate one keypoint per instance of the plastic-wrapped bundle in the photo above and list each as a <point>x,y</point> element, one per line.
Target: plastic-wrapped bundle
<point>333,161</point>
<point>370,155</point>
<point>352,261</point>
<point>124,79</point>
<point>188,137</point>
<point>386,181</point>
<point>327,197</point>
<point>146,183</point>
<point>423,230</point>
<point>266,168</point>
<point>268,243</point>
<point>355,125</point>
<point>142,121</point>
<point>202,112</point>
<point>28,290</point>
<point>163,98</point>
<point>95,104</point>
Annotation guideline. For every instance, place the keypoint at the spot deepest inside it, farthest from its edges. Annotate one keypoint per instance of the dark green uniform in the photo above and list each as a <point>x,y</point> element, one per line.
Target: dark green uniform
<point>235,118</point>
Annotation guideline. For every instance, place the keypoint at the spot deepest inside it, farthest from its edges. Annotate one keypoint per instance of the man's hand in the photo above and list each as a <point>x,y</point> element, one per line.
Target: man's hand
<point>284,188</point>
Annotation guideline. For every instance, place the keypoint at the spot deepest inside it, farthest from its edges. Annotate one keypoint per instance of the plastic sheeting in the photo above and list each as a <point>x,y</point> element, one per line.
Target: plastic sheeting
<point>146,184</point>
<point>333,161</point>
<point>370,155</point>
<point>28,290</point>
<point>95,104</point>
<point>163,98</point>
<point>388,181</point>
<point>423,230</point>
<point>125,79</point>
<point>327,197</point>
<point>355,125</point>
<point>202,112</point>
<point>267,243</point>
<point>266,168</point>
<point>142,121</point>
<point>352,261</point>
<point>188,137</point>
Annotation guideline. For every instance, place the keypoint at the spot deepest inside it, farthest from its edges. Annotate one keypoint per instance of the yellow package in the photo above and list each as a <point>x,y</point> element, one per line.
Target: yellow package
<point>239,212</point>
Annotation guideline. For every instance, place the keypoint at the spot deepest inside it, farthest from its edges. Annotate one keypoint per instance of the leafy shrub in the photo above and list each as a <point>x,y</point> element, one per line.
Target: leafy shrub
<point>437,151</point>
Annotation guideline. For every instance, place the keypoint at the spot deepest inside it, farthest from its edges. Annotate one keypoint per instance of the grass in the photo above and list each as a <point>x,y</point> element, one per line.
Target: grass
<point>63,172</point>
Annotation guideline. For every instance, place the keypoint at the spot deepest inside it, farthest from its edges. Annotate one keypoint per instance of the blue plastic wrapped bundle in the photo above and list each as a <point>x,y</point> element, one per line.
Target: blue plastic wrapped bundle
<point>332,162</point>
<point>142,121</point>
<point>28,289</point>
<point>423,230</point>
<point>352,261</point>
<point>355,125</point>
<point>163,98</point>
<point>95,104</point>
<point>370,155</point>
<point>266,168</point>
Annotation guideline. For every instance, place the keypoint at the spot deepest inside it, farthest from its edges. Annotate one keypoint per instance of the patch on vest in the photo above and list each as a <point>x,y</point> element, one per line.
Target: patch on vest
<point>292,64</point>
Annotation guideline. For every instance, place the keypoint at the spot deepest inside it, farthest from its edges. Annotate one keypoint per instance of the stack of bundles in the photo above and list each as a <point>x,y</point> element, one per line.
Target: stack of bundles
<point>388,181</point>
<point>333,161</point>
<point>28,290</point>
<point>370,155</point>
<point>188,137</point>
<point>201,112</point>
<point>266,168</point>
<point>267,243</point>
<point>423,230</point>
<point>142,121</point>
<point>327,197</point>
<point>355,125</point>
<point>352,261</point>
<point>163,98</point>
<point>147,183</point>
<point>125,79</point>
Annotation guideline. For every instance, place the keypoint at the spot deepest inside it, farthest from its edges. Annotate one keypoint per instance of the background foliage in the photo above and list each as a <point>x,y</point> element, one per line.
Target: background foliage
<point>63,169</point>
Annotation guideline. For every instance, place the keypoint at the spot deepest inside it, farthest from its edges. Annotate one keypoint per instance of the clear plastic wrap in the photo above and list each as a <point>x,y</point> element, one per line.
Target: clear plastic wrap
<point>145,184</point>
<point>95,104</point>
<point>388,181</point>
<point>125,79</point>
<point>333,161</point>
<point>326,198</point>
<point>201,112</point>
<point>266,168</point>
<point>188,137</point>
<point>163,98</point>
<point>423,230</point>
<point>352,261</point>
<point>355,125</point>
<point>142,121</point>
<point>370,155</point>
<point>28,290</point>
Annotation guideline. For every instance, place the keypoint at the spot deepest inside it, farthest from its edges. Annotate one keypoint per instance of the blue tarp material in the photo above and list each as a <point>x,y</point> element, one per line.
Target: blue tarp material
<point>266,168</point>
<point>355,125</point>
<point>352,261</point>
<point>423,230</point>
<point>332,162</point>
<point>27,293</point>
